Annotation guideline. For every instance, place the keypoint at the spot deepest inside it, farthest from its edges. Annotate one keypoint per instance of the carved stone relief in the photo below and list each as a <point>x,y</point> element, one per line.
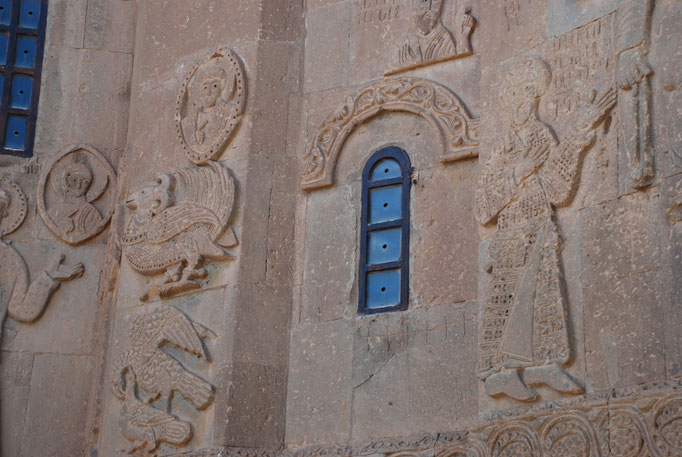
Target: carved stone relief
<point>606,424</point>
<point>434,102</point>
<point>210,106</point>
<point>177,221</point>
<point>20,298</point>
<point>76,194</point>
<point>147,374</point>
<point>430,41</point>
<point>524,333</point>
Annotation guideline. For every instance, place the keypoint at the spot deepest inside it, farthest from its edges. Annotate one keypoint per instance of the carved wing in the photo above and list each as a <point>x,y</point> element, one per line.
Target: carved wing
<point>212,187</point>
<point>177,219</point>
<point>143,415</point>
<point>179,331</point>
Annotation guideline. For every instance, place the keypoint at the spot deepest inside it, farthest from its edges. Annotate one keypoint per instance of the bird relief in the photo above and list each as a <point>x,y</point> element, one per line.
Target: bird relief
<point>76,194</point>
<point>178,221</point>
<point>146,378</point>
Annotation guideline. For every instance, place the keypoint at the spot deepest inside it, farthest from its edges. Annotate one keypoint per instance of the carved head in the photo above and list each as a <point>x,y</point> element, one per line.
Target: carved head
<point>4,204</point>
<point>209,86</point>
<point>426,14</point>
<point>154,197</point>
<point>523,86</point>
<point>77,180</point>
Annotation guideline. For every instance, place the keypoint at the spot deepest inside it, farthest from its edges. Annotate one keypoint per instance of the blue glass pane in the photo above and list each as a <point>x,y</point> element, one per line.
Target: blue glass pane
<point>15,135</point>
<point>26,51</point>
<point>2,82</point>
<point>385,169</point>
<point>21,91</point>
<point>384,246</point>
<point>384,204</point>
<point>5,11</point>
<point>29,14</point>
<point>383,289</point>
<point>4,40</point>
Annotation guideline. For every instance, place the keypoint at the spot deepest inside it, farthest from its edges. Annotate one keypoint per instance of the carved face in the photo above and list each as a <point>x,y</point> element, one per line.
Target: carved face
<point>77,180</point>
<point>152,198</point>
<point>211,88</point>
<point>426,14</point>
<point>522,88</point>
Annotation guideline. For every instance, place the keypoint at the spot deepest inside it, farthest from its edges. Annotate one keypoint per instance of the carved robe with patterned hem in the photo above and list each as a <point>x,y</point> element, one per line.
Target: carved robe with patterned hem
<point>524,321</point>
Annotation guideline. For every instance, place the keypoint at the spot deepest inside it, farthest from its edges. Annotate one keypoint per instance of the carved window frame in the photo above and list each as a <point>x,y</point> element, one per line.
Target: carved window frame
<point>402,264</point>
<point>8,71</point>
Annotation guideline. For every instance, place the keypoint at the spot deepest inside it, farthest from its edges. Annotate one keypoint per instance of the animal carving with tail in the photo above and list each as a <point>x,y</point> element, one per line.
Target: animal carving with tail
<point>179,220</point>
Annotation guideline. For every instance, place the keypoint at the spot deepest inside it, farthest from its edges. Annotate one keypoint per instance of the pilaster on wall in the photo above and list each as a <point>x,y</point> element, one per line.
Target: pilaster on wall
<point>241,309</point>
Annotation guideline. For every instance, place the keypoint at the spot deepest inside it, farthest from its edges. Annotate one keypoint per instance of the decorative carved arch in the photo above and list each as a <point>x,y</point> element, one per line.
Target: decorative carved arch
<point>432,101</point>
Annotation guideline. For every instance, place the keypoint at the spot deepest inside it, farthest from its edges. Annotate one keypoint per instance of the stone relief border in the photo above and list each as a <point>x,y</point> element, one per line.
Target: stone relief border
<point>637,421</point>
<point>430,100</point>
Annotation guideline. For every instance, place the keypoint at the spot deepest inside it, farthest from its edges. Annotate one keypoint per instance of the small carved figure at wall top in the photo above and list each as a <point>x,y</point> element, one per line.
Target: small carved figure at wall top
<point>159,375</point>
<point>431,41</point>
<point>76,194</point>
<point>210,106</point>
<point>524,337</point>
<point>177,221</point>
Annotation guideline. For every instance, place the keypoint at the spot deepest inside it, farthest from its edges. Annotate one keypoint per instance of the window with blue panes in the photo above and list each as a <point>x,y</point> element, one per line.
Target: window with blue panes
<point>385,237</point>
<point>22,38</point>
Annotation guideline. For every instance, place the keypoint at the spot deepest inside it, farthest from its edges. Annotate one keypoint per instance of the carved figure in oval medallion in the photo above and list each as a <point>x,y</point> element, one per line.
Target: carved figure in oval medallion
<point>524,333</point>
<point>179,220</point>
<point>210,106</point>
<point>431,41</point>
<point>71,186</point>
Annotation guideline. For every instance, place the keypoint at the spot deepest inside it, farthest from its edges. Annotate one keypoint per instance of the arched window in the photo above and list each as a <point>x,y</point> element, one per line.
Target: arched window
<point>22,36</point>
<point>385,236</point>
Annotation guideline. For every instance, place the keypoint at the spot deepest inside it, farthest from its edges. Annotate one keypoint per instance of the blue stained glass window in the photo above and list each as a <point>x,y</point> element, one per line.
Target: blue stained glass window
<point>15,135</point>
<point>384,249</point>
<point>5,12</point>
<point>29,14</point>
<point>26,51</point>
<point>21,91</point>
<point>22,39</point>
<point>385,169</point>
<point>383,289</point>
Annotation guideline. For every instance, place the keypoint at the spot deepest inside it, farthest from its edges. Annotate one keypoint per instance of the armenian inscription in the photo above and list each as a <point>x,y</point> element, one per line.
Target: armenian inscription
<point>377,11</point>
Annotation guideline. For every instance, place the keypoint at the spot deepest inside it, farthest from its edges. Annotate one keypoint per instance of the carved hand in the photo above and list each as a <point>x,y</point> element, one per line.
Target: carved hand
<point>407,55</point>
<point>468,25</point>
<point>531,161</point>
<point>598,111</point>
<point>633,65</point>
<point>60,272</point>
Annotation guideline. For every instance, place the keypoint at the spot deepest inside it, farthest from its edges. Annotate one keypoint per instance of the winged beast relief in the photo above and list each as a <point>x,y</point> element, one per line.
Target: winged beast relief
<point>210,106</point>
<point>147,371</point>
<point>179,220</point>
<point>76,194</point>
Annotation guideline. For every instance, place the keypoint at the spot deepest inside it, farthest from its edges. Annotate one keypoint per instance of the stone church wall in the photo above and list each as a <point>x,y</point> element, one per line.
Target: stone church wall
<point>208,300</point>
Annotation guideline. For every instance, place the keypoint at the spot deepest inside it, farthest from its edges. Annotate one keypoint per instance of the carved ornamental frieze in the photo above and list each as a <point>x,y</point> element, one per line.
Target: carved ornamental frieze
<point>146,377</point>
<point>524,338</point>
<point>210,106</point>
<point>76,194</point>
<point>430,41</point>
<point>434,102</point>
<point>646,422</point>
<point>177,221</point>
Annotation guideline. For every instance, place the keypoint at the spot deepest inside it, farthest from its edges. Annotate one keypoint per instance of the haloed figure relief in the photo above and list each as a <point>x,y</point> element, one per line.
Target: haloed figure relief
<point>431,41</point>
<point>524,339</point>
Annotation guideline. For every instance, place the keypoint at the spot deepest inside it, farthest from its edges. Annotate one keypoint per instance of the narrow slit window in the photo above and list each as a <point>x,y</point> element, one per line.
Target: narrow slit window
<point>22,39</point>
<point>385,237</point>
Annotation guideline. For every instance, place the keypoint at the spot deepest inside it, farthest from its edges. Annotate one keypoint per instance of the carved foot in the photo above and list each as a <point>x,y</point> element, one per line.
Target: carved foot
<point>644,175</point>
<point>194,273</point>
<point>509,383</point>
<point>553,376</point>
<point>173,274</point>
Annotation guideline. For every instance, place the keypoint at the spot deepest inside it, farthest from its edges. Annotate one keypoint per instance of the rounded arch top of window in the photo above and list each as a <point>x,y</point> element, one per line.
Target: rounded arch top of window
<point>385,169</point>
